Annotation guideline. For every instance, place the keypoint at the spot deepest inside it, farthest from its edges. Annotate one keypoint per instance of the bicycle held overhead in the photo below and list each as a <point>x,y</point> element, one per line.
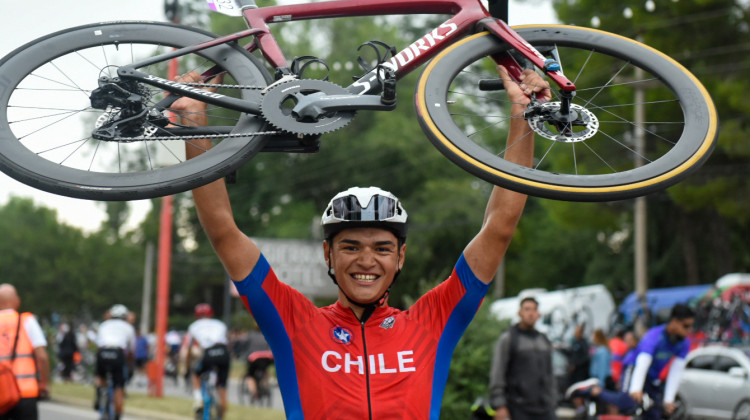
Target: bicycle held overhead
<point>628,121</point>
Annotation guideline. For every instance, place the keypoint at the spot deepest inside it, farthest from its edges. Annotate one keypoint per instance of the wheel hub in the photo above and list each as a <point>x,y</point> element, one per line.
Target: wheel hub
<point>580,124</point>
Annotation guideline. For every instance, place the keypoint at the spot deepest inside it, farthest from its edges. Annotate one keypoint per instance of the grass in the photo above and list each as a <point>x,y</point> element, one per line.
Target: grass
<point>166,407</point>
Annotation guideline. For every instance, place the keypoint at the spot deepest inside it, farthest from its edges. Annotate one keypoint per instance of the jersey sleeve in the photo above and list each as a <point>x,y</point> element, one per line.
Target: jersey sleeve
<point>456,299</point>
<point>273,303</point>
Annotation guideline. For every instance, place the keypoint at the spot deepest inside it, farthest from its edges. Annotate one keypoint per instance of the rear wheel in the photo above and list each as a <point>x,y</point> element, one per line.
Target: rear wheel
<point>643,121</point>
<point>742,411</point>
<point>47,119</point>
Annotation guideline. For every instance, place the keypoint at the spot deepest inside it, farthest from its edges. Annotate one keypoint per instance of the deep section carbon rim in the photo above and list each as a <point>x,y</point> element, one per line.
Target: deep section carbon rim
<point>645,121</point>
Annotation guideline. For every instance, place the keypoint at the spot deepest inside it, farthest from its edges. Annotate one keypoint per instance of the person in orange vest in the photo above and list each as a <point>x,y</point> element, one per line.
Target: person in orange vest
<point>31,363</point>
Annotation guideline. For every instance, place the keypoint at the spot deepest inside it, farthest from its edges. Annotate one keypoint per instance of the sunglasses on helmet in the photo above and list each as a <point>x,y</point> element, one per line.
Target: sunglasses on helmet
<point>379,208</point>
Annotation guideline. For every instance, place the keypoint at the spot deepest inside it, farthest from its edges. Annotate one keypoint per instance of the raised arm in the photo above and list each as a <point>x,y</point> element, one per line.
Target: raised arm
<point>485,252</point>
<point>236,251</point>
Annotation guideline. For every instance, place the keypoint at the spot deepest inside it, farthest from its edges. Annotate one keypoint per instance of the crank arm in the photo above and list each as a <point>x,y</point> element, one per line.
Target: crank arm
<point>318,104</point>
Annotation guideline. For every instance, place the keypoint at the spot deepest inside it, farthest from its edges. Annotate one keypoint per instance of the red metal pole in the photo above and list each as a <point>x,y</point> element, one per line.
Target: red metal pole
<point>162,295</point>
<point>163,275</point>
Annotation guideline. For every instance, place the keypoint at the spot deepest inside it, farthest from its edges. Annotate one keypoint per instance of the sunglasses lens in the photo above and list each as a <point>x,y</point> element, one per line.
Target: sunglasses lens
<point>378,209</point>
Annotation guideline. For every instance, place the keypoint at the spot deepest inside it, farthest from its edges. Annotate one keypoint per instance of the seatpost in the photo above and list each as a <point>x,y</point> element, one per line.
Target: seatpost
<point>499,9</point>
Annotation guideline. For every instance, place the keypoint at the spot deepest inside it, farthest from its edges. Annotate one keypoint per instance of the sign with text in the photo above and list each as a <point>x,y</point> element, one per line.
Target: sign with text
<point>299,264</point>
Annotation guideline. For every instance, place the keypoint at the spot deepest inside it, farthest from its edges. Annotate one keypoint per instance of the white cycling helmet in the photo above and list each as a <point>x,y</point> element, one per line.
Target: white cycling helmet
<point>364,207</point>
<point>118,311</point>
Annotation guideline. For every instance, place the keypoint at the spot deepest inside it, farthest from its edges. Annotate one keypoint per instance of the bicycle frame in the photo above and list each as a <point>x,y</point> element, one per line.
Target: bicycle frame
<point>467,16</point>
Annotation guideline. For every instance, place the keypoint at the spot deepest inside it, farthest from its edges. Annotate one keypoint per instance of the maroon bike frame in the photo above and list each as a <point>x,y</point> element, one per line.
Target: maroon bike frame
<point>467,14</point>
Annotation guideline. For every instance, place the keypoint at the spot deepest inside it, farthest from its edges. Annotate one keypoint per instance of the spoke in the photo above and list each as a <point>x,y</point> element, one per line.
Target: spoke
<point>41,117</point>
<point>93,157</point>
<point>513,143</point>
<point>67,77</point>
<point>625,146</point>
<point>73,87</point>
<point>73,152</point>
<point>48,125</point>
<point>661,101</point>
<point>479,96</point>
<point>575,161</point>
<point>177,158</point>
<point>641,127</point>
<point>148,154</point>
<point>583,67</point>
<point>549,149</point>
<point>600,158</point>
<point>85,139</point>
<point>609,85</point>
<point>601,88</point>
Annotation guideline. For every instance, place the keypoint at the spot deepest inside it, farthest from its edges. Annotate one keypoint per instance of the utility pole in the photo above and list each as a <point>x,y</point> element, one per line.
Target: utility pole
<point>148,280</point>
<point>640,215</point>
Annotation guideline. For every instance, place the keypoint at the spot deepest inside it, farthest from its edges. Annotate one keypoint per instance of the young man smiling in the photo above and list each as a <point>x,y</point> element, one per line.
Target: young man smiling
<point>360,358</point>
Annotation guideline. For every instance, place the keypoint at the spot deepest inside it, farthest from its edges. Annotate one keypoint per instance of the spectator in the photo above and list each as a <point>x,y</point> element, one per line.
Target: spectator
<point>31,362</point>
<point>601,358</point>
<point>522,383</point>
<point>141,356</point>
<point>579,356</point>
<point>66,350</point>
<point>641,368</point>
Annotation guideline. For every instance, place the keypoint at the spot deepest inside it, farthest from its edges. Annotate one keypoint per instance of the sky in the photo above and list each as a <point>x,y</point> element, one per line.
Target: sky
<point>22,22</point>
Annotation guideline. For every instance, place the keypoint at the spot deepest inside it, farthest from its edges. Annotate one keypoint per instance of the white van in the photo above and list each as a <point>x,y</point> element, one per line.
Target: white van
<point>562,310</point>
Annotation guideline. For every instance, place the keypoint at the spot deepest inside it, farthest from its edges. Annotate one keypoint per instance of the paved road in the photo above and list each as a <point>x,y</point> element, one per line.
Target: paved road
<point>233,391</point>
<point>50,410</point>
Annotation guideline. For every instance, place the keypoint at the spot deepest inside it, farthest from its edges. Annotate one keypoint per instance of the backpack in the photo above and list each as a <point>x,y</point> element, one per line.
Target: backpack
<point>10,395</point>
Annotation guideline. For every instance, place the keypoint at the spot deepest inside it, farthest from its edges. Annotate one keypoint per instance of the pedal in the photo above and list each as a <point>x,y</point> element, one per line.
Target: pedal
<point>387,79</point>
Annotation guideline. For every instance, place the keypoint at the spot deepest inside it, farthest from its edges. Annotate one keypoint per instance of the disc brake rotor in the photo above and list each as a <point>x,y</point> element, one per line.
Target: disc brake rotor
<point>278,102</point>
<point>549,125</point>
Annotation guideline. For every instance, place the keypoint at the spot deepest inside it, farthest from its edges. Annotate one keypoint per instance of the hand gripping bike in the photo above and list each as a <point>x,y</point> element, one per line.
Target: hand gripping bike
<point>83,112</point>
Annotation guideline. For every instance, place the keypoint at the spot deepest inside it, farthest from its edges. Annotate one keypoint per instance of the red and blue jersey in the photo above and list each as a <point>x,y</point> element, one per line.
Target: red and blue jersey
<point>329,365</point>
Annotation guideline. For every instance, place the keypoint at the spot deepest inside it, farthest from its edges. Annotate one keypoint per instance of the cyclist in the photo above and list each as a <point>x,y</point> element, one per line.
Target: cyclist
<point>330,360</point>
<point>259,359</point>
<point>642,368</point>
<point>211,335</point>
<point>116,345</point>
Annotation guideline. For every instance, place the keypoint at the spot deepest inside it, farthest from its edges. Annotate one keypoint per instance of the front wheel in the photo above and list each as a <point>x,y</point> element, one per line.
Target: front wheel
<point>47,117</point>
<point>643,122</point>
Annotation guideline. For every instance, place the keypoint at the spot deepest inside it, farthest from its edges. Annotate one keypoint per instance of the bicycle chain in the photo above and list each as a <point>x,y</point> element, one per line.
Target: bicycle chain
<point>201,137</point>
<point>208,136</point>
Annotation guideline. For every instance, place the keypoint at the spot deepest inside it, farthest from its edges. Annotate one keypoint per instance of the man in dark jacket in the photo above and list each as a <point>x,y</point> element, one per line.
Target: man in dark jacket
<point>522,384</point>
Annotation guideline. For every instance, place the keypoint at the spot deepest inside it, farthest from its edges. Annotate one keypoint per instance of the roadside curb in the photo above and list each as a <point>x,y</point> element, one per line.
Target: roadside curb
<point>129,411</point>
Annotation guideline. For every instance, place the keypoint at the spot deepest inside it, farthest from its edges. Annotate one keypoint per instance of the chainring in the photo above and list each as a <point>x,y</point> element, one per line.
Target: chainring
<point>277,104</point>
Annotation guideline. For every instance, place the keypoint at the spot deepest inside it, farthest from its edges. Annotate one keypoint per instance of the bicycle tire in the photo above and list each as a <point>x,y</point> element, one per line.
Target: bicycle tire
<point>41,142</point>
<point>449,112</point>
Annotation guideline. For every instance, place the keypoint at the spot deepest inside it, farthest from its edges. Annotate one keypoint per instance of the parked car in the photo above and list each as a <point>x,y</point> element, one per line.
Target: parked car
<point>716,384</point>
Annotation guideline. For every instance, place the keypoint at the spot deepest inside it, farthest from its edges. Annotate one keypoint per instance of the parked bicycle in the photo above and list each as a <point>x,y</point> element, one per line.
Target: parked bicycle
<point>625,120</point>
